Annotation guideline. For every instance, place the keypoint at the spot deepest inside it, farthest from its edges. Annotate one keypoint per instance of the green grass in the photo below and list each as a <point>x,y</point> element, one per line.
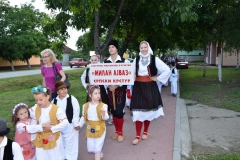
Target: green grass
<point>208,90</point>
<point>16,90</point>
<point>219,157</point>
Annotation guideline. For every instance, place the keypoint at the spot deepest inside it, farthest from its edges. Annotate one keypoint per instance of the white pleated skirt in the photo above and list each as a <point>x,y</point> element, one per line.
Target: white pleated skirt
<point>148,115</point>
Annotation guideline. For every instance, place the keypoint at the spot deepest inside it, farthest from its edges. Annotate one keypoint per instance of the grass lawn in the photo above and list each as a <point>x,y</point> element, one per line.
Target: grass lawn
<point>16,90</point>
<point>220,157</point>
<point>208,90</point>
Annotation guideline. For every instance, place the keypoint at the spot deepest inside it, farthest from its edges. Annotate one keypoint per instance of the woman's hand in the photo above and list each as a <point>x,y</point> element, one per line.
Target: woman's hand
<point>154,78</point>
<point>112,87</point>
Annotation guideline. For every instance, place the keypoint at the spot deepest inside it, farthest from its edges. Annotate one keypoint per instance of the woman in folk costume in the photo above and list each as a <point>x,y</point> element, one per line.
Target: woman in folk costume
<point>50,121</point>
<point>94,115</point>
<point>85,79</point>
<point>146,102</point>
<point>119,92</point>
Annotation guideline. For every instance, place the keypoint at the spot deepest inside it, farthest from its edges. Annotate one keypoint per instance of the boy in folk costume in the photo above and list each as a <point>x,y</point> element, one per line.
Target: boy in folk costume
<point>70,105</point>
<point>9,150</point>
<point>173,79</point>
<point>119,92</point>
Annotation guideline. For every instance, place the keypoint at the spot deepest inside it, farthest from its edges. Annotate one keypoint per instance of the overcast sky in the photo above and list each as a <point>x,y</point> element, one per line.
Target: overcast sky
<point>39,4</point>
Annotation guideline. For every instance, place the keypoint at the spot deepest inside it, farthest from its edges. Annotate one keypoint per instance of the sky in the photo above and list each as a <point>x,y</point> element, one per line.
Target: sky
<point>39,4</point>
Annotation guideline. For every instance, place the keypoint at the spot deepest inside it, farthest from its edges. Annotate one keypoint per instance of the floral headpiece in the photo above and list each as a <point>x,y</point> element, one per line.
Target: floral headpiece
<point>38,89</point>
<point>92,86</point>
<point>19,104</point>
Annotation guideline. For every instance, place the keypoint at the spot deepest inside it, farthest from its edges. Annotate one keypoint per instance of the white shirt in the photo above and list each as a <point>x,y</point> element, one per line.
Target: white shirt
<point>62,103</point>
<point>92,114</point>
<point>16,150</point>
<point>118,58</point>
<point>44,118</point>
<point>160,65</point>
<point>174,76</point>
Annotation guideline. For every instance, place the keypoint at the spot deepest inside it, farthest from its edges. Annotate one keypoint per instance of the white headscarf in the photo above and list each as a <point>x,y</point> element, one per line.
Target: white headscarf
<point>149,50</point>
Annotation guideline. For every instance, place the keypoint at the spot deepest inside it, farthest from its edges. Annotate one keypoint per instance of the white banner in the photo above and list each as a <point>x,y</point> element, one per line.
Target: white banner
<point>111,74</point>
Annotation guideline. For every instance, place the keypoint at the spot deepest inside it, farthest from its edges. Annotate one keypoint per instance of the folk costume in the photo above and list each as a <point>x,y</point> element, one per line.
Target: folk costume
<point>85,79</point>
<point>120,97</point>
<point>24,139</point>
<point>49,145</point>
<point>173,79</point>
<point>9,150</point>
<point>146,102</point>
<point>95,122</point>
<point>70,136</point>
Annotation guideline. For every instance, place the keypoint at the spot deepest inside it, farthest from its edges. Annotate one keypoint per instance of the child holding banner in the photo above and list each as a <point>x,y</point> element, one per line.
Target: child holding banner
<point>146,102</point>
<point>85,79</point>
<point>116,92</point>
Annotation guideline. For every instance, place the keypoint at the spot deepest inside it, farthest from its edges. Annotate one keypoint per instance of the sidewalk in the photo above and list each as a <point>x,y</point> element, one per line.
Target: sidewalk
<point>158,146</point>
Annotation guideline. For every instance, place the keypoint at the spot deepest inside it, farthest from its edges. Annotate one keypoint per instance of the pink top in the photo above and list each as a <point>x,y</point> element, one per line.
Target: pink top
<point>23,138</point>
<point>49,75</point>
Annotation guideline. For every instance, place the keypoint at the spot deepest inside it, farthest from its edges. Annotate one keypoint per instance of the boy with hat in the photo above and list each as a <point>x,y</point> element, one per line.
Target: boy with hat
<point>9,150</point>
<point>120,93</point>
<point>71,133</point>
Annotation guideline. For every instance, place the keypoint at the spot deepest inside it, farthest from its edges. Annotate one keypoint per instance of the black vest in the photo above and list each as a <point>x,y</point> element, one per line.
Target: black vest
<point>151,67</point>
<point>87,75</point>
<point>69,109</point>
<point>7,155</point>
<point>123,87</point>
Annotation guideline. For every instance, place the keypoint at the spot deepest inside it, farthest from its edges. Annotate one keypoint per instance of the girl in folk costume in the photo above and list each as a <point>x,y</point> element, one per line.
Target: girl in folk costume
<point>173,79</point>
<point>119,92</point>
<point>94,115</point>
<point>146,103</point>
<point>70,134</point>
<point>50,121</point>
<point>21,118</point>
<point>85,79</point>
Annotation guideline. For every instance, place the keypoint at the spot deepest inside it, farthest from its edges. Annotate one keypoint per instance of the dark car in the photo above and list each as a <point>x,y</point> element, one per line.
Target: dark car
<point>182,64</point>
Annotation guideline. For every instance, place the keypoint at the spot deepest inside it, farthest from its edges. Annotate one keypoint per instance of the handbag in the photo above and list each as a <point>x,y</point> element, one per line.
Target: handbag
<point>58,77</point>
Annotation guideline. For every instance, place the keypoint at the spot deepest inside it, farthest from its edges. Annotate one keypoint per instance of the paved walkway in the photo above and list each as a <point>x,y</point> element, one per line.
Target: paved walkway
<point>158,146</point>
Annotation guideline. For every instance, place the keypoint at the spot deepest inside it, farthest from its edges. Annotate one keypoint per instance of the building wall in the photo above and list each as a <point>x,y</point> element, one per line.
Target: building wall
<point>197,52</point>
<point>65,59</point>
<point>35,61</point>
<point>228,60</point>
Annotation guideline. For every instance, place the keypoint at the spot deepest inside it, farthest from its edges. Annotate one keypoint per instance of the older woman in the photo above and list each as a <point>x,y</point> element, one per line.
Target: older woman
<point>47,70</point>
<point>146,102</point>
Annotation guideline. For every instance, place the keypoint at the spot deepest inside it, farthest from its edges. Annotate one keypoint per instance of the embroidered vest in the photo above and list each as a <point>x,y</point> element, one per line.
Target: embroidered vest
<point>152,69</point>
<point>95,129</point>
<point>8,154</point>
<point>69,109</point>
<point>47,140</point>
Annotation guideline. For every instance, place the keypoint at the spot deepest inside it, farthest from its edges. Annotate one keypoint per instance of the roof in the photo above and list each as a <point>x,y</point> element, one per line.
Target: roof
<point>67,49</point>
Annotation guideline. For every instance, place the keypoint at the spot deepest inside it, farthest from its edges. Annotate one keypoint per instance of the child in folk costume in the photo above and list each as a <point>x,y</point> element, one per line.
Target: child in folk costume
<point>173,79</point>
<point>94,115</point>
<point>9,150</point>
<point>119,92</point>
<point>85,79</point>
<point>146,103</point>
<point>21,118</point>
<point>70,134</point>
<point>50,121</point>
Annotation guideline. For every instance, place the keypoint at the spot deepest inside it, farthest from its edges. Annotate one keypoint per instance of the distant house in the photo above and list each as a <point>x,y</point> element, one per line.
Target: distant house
<point>195,55</point>
<point>65,55</point>
<point>228,59</point>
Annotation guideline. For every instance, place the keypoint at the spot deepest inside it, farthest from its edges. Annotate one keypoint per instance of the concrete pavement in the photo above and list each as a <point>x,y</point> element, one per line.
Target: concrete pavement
<point>160,144</point>
<point>27,72</point>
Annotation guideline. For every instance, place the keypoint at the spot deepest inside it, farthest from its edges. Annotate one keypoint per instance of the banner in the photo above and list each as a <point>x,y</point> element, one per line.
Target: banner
<point>111,74</point>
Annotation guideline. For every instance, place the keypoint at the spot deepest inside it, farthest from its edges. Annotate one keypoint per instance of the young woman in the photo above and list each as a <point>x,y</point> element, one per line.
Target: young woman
<point>146,102</point>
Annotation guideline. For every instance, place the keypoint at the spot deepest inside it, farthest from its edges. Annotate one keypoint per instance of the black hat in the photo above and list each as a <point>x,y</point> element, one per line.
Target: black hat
<point>3,127</point>
<point>113,42</point>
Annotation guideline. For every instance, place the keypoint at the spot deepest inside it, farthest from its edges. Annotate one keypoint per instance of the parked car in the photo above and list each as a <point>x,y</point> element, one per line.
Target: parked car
<point>182,64</point>
<point>78,62</point>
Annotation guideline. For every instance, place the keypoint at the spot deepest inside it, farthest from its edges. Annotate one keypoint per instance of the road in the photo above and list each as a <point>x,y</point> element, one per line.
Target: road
<point>27,72</point>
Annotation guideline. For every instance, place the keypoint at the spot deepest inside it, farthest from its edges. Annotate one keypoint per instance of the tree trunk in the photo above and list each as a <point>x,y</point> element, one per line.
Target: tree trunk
<point>219,62</point>
<point>237,60</point>
<point>204,63</point>
<point>96,34</point>
<point>28,64</point>
<point>12,67</point>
